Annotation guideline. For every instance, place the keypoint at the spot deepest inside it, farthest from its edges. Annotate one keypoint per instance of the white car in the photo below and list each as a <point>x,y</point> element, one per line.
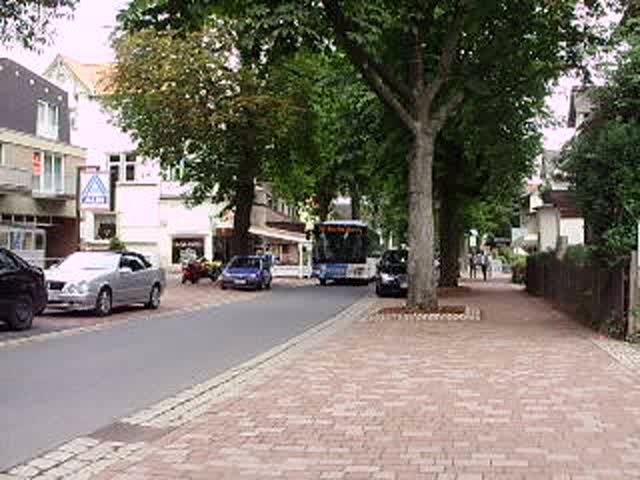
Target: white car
<point>103,280</point>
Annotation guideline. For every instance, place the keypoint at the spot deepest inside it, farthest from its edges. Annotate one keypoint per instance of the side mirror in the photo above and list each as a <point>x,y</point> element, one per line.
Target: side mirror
<point>125,270</point>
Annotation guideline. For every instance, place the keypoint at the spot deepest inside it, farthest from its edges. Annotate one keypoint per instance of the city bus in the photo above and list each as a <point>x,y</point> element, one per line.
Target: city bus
<point>340,252</point>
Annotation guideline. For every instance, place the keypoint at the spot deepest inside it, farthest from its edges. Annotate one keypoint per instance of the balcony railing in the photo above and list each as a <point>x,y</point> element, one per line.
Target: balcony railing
<point>14,179</point>
<point>54,187</point>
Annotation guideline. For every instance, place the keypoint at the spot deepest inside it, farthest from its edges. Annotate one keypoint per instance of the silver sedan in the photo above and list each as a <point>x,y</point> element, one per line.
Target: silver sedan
<point>103,280</point>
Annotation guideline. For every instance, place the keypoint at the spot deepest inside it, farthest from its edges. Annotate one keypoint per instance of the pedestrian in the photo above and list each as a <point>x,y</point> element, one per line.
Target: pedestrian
<point>472,266</point>
<point>484,264</point>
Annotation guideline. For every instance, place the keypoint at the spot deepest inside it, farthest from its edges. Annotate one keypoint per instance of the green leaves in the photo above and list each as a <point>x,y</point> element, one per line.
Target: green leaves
<point>185,99</point>
<point>28,22</point>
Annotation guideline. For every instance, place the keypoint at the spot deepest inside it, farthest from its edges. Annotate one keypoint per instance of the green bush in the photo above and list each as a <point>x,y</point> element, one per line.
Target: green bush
<point>115,244</point>
<point>519,269</point>
<point>579,255</point>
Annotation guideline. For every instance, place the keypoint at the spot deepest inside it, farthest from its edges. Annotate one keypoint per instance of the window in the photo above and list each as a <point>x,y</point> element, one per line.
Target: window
<point>51,179</point>
<point>122,167</point>
<point>39,241</point>
<point>105,226</point>
<point>3,159</point>
<point>132,262</point>
<point>48,121</point>
<point>4,238</point>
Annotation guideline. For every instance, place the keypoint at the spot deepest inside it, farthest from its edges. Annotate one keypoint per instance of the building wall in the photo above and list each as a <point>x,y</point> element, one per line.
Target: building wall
<point>179,221</point>
<point>547,228</point>
<point>573,229</point>
<point>20,90</point>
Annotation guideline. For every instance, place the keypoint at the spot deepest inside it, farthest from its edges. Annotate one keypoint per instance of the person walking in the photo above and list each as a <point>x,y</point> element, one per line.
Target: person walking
<point>472,266</point>
<point>484,264</point>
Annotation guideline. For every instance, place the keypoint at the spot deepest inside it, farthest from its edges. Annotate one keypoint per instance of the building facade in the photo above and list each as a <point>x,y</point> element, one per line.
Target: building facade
<point>148,208</point>
<point>38,167</point>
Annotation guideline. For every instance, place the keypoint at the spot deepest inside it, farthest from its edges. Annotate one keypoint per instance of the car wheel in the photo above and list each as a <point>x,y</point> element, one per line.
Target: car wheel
<point>380,291</point>
<point>223,286</point>
<point>21,314</point>
<point>260,284</point>
<point>323,282</point>
<point>154,298</point>
<point>268,286</point>
<point>104,303</point>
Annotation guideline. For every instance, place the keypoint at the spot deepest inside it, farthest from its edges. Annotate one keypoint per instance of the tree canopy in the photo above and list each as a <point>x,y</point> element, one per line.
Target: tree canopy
<point>29,22</point>
<point>603,160</point>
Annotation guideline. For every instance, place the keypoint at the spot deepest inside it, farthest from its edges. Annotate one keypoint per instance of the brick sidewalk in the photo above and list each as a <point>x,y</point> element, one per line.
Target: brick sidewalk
<point>523,394</point>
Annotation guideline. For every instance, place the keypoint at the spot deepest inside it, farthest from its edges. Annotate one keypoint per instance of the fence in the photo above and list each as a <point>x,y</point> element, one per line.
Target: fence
<point>597,295</point>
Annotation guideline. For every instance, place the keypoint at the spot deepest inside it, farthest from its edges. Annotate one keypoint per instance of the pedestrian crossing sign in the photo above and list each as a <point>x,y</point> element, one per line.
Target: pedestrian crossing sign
<point>94,191</point>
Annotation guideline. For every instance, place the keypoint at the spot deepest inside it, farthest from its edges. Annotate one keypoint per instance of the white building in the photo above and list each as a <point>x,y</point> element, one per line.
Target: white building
<point>148,212</point>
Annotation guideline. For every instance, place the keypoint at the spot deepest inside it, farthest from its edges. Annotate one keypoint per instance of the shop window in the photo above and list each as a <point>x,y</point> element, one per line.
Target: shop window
<point>105,226</point>
<point>39,241</point>
<point>4,238</point>
<point>29,242</point>
<point>185,249</point>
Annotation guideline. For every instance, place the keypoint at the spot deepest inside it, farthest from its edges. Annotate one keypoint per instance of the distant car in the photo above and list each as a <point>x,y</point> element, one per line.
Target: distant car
<point>103,280</point>
<point>22,291</point>
<point>391,275</point>
<point>247,272</point>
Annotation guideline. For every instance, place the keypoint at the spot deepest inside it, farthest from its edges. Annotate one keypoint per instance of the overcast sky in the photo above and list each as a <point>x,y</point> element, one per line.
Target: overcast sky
<point>85,37</point>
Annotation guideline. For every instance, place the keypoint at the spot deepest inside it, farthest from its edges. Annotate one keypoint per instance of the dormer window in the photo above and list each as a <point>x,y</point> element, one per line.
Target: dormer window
<point>48,121</point>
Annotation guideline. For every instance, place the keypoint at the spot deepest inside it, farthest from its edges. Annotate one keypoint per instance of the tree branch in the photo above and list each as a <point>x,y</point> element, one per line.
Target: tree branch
<point>418,80</point>
<point>448,54</point>
<point>363,59</point>
<point>447,109</point>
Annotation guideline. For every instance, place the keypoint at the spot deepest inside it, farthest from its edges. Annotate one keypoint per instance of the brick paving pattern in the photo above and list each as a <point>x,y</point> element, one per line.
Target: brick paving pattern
<point>526,393</point>
<point>523,394</point>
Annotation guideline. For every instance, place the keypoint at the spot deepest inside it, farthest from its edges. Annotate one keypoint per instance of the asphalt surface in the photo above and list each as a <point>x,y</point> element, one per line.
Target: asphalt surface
<point>58,389</point>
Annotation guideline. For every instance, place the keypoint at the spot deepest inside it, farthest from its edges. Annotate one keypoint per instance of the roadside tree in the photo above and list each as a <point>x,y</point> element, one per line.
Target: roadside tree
<point>29,22</point>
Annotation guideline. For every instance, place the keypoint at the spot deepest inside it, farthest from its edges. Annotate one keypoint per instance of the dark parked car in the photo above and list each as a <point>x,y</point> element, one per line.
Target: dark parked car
<point>391,275</point>
<point>247,272</point>
<point>22,291</point>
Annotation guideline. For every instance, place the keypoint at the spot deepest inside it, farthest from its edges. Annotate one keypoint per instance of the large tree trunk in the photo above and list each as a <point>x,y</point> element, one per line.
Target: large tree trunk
<point>451,230</point>
<point>324,205</point>
<point>422,287</point>
<point>354,193</point>
<point>245,194</point>
<point>240,244</point>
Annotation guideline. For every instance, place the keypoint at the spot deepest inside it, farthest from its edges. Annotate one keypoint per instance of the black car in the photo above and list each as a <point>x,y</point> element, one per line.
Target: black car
<point>391,275</point>
<point>22,291</point>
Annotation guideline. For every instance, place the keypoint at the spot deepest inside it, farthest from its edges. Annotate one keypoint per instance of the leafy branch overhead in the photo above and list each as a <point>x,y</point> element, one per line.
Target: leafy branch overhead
<point>30,22</point>
<point>186,97</point>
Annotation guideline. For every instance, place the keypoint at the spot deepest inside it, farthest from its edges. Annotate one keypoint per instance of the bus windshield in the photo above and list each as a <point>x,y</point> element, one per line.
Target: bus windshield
<point>340,244</point>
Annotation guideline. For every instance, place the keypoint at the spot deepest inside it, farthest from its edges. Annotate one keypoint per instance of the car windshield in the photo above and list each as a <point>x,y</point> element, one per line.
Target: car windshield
<point>397,256</point>
<point>90,261</point>
<point>245,262</point>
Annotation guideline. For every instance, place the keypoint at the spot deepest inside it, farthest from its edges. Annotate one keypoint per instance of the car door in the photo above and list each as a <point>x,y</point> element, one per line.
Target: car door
<point>124,286</point>
<point>143,279</point>
<point>13,282</point>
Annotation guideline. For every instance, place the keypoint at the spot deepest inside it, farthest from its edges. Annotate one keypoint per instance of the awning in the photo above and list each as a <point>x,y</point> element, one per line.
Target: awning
<point>277,234</point>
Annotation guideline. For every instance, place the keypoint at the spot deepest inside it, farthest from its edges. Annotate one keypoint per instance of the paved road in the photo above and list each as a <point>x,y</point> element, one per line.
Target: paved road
<point>55,390</point>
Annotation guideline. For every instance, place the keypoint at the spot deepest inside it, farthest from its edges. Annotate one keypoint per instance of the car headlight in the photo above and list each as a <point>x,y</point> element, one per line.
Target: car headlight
<point>386,278</point>
<point>77,288</point>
